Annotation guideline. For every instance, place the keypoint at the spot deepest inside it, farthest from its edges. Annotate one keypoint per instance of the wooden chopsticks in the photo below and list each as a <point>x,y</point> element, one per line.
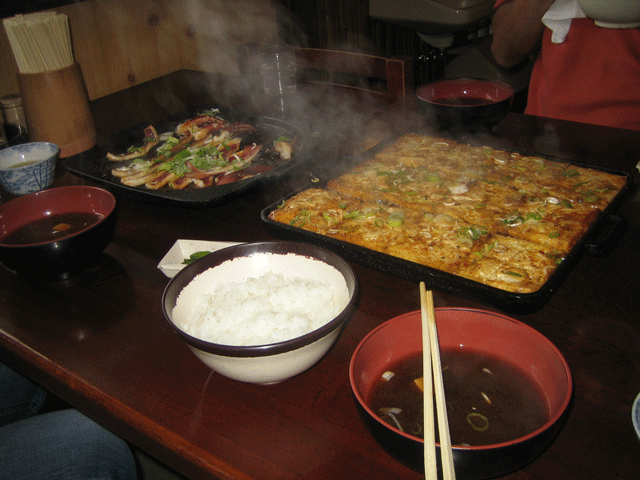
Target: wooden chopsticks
<point>40,41</point>
<point>432,373</point>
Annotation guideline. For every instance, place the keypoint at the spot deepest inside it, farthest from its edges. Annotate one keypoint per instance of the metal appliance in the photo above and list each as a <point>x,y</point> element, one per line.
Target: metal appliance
<point>455,35</point>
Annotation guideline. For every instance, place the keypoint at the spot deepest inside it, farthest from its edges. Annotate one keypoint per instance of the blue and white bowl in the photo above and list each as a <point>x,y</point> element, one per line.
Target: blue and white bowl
<point>28,167</point>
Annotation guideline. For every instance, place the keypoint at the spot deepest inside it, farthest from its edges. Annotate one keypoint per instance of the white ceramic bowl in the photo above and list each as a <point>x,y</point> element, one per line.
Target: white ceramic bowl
<point>612,13</point>
<point>28,167</point>
<point>635,415</point>
<point>273,362</point>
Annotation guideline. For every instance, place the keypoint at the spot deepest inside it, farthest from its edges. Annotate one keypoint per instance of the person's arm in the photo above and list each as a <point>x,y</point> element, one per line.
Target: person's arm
<point>517,30</point>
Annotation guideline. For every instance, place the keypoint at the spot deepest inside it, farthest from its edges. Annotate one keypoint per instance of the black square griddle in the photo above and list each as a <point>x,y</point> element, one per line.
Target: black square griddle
<point>601,235</point>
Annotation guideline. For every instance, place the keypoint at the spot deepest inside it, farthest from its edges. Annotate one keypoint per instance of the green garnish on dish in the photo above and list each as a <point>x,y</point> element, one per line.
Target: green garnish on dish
<point>195,256</point>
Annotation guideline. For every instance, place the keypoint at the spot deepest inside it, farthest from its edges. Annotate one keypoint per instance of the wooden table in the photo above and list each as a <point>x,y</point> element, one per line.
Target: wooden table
<point>99,340</point>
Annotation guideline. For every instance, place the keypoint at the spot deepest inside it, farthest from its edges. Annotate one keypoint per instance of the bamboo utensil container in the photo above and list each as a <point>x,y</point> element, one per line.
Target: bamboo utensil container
<point>56,106</point>
<point>54,95</point>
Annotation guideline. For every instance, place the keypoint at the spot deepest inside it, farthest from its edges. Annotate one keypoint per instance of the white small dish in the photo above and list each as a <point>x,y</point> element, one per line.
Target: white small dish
<point>173,261</point>
<point>635,415</point>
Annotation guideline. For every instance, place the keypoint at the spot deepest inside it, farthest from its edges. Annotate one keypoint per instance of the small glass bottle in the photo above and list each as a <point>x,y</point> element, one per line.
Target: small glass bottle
<point>13,116</point>
<point>3,137</point>
<point>12,111</point>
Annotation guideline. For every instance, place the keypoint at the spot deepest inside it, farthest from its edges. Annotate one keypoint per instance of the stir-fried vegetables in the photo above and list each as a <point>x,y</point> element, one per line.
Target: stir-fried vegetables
<point>203,151</point>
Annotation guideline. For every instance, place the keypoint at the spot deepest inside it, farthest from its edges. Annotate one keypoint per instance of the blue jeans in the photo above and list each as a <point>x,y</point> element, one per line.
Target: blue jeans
<point>19,397</point>
<point>59,445</point>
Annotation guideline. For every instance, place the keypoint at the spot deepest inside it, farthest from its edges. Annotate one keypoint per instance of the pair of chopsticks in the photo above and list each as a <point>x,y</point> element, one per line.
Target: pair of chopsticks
<point>432,372</point>
<point>40,41</point>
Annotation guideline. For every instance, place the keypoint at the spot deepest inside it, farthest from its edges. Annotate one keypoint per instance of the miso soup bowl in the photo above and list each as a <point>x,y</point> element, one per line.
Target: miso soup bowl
<point>465,103</point>
<point>259,362</point>
<point>490,333</point>
<point>64,255</point>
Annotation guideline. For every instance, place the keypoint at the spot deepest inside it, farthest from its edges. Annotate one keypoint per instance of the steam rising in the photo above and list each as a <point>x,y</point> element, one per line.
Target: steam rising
<point>322,111</point>
<point>147,40</point>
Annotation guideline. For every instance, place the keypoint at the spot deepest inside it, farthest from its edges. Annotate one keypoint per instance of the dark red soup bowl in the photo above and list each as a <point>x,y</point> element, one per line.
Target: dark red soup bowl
<point>52,234</point>
<point>466,103</point>
<point>530,357</point>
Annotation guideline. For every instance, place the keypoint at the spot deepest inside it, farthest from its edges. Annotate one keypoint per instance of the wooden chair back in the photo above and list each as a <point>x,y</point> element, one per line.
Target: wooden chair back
<point>389,79</point>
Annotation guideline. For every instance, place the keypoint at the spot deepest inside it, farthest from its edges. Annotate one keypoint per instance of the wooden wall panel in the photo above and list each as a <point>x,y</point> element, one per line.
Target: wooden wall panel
<point>120,43</point>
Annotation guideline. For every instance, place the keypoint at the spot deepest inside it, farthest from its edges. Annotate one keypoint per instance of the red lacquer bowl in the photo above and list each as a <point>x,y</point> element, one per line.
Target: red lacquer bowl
<point>478,330</point>
<point>66,254</point>
<point>466,103</point>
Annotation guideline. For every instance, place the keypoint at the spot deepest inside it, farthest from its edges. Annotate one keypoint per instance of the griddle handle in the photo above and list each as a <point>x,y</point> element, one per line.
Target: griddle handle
<point>606,237</point>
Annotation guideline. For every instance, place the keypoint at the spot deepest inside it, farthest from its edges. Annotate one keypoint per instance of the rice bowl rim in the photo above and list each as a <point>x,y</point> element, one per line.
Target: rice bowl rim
<point>187,274</point>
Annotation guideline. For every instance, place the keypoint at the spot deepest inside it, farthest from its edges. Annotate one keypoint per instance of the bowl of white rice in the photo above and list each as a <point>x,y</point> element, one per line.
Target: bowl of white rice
<point>261,312</point>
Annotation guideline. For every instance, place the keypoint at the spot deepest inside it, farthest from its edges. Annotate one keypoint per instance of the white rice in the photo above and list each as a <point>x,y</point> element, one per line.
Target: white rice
<point>265,309</point>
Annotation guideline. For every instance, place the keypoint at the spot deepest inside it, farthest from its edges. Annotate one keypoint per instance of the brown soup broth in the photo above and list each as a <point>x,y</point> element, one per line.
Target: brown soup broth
<point>501,401</point>
<point>463,101</point>
<point>51,228</point>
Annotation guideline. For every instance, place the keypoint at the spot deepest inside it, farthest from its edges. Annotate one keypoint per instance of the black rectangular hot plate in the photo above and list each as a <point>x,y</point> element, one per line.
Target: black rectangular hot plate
<point>600,237</point>
<point>93,164</point>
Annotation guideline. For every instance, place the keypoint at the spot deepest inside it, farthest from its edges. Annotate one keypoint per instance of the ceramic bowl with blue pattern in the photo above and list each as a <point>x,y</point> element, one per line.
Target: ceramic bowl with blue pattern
<point>28,167</point>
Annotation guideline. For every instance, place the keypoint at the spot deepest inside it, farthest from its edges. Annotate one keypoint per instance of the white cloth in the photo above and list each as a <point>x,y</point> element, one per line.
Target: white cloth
<point>558,18</point>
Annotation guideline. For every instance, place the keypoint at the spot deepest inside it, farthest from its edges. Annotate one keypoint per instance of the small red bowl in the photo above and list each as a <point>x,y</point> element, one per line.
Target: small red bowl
<point>481,331</point>
<point>67,254</point>
<point>466,102</point>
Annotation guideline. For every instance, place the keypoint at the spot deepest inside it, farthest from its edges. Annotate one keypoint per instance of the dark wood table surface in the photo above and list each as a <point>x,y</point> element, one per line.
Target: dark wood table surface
<point>99,340</point>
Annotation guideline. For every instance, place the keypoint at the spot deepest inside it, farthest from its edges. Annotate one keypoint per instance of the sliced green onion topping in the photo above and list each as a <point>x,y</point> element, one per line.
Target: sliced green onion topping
<point>478,422</point>
<point>395,219</point>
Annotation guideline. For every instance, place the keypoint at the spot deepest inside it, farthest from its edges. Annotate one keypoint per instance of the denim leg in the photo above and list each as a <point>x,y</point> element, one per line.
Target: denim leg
<point>19,397</point>
<point>63,445</point>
